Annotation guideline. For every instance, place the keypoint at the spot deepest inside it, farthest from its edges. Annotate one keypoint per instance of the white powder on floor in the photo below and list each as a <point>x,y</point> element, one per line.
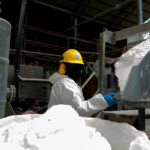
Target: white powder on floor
<point>131,58</point>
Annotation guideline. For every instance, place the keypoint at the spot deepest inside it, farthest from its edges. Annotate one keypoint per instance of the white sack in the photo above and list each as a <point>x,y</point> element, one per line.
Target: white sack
<point>121,136</point>
<point>62,128</point>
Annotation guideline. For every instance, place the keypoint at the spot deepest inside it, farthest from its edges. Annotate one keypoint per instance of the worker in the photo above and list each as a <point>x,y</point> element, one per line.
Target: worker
<point>65,89</point>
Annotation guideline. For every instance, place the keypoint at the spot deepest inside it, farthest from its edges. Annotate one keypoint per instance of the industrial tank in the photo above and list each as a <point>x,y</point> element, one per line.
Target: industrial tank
<point>5,32</point>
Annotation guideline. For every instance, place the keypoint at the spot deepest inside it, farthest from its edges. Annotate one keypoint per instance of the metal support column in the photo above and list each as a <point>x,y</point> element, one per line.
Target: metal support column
<point>139,12</point>
<point>75,33</point>
<point>102,63</point>
<point>25,35</point>
<point>97,48</point>
<point>19,37</point>
<point>141,119</point>
<point>98,58</point>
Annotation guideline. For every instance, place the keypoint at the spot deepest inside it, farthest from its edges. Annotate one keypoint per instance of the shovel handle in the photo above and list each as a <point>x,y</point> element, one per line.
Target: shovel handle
<point>114,97</point>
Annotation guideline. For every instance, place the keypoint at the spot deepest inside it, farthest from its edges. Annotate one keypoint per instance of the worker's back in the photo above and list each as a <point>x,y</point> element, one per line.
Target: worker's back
<point>61,92</point>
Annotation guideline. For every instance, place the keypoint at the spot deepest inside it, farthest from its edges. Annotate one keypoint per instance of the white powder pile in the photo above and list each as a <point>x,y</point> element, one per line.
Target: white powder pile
<point>60,128</point>
<point>121,136</point>
<point>131,58</point>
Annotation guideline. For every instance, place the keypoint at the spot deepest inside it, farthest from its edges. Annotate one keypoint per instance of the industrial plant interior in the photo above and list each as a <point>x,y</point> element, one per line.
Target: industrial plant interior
<point>35,33</point>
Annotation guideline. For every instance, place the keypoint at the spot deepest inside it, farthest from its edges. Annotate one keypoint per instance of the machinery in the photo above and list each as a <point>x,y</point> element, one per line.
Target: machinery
<point>27,90</point>
<point>22,96</point>
<point>107,81</point>
<point>110,80</point>
<point>132,35</point>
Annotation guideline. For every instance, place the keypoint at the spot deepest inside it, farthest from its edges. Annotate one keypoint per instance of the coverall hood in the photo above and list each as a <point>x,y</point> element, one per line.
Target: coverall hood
<point>54,77</point>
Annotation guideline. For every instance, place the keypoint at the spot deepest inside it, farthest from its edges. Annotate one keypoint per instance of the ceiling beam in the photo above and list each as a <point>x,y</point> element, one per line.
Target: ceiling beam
<point>122,15</point>
<point>78,12</point>
<point>143,8</point>
<point>65,9</point>
<point>78,8</point>
<point>88,2</point>
<point>121,9</point>
<point>125,15</point>
<point>107,13</point>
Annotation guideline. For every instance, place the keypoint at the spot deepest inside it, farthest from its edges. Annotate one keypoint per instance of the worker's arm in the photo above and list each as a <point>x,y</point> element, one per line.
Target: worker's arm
<point>92,105</point>
<point>69,93</point>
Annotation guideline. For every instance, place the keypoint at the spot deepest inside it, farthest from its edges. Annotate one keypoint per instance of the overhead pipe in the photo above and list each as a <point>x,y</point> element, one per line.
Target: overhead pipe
<point>75,33</point>
<point>18,49</point>
<point>139,12</point>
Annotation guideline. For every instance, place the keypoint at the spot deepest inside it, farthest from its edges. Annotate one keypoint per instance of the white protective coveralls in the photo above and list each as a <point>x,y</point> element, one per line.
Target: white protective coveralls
<point>66,91</point>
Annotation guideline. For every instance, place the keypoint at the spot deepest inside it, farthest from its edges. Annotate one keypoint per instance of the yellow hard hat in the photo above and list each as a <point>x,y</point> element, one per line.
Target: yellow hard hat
<point>72,56</point>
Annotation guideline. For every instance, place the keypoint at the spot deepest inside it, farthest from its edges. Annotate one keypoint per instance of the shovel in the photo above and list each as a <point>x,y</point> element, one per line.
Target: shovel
<point>117,96</point>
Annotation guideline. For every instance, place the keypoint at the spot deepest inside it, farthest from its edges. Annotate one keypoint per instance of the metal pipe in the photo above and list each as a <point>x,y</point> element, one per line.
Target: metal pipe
<point>98,58</point>
<point>42,56</point>
<point>90,67</point>
<point>18,49</point>
<point>38,53</point>
<point>115,50</point>
<point>118,6</point>
<point>75,33</point>
<point>58,34</point>
<point>41,108</point>
<point>25,35</point>
<point>64,36</point>
<point>98,90</point>
<point>11,108</point>
<point>139,12</point>
<point>33,80</point>
<point>85,83</point>
<point>97,47</point>
<point>88,56</point>
<point>54,46</point>
<point>48,59</point>
<point>102,63</point>
<point>19,38</point>
<point>89,53</point>
<point>43,44</point>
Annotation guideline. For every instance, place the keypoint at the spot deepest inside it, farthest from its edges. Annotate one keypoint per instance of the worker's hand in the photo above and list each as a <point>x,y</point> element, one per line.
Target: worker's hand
<point>108,98</point>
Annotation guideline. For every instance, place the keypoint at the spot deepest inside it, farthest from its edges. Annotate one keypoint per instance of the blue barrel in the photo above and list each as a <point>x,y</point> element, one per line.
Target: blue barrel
<point>5,33</point>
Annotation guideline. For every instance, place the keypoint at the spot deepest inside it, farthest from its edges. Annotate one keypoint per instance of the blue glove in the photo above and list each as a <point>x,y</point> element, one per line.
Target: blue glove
<point>109,99</point>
